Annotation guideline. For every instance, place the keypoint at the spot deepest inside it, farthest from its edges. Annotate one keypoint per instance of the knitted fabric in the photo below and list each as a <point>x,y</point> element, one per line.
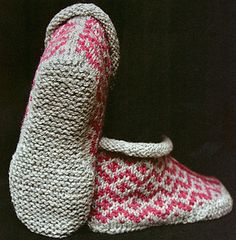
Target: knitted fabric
<point>134,193</point>
<point>52,171</point>
<point>151,150</point>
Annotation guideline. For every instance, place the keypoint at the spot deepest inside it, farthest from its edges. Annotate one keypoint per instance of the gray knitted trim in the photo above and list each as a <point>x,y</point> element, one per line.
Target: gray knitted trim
<point>140,149</point>
<point>82,9</point>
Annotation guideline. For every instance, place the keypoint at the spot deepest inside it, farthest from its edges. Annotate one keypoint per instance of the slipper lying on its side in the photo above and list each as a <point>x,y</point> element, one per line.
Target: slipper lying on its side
<point>139,185</point>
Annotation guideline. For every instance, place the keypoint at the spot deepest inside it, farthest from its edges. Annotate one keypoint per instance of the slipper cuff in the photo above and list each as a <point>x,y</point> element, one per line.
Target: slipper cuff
<point>137,149</point>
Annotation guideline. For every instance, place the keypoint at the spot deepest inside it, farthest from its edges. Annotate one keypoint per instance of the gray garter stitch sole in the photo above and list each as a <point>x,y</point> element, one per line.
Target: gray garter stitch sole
<point>51,174</point>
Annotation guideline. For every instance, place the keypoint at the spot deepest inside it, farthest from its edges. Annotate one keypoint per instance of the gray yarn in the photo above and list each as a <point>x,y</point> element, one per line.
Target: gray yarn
<point>51,174</point>
<point>134,149</point>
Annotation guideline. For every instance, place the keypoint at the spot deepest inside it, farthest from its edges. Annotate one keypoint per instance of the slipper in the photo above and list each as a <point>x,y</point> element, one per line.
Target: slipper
<point>51,174</point>
<point>139,185</point>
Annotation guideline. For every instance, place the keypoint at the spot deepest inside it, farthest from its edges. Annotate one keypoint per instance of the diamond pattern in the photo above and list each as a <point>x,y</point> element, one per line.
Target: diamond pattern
<point>133,193</point>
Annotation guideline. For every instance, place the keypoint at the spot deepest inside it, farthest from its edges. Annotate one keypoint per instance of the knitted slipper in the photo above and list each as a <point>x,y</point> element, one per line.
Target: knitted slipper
<point>140,185</point>
<point>52,171</point>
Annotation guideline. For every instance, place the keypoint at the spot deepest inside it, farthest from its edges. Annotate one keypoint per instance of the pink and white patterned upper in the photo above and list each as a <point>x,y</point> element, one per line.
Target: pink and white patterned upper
<point>135,193</point>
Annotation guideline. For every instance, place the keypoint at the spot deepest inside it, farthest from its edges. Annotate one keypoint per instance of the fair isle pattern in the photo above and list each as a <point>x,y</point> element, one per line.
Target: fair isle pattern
<point>59,39</point>
<point>95,12</point>
<point>136,193</point>
<point>92,43</point>
<point>51,174</point>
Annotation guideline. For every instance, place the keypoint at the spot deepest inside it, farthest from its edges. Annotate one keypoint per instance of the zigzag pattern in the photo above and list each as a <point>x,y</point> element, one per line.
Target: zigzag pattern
<point>93,42</point>
<point>59,39</point>
<point>132,193</point>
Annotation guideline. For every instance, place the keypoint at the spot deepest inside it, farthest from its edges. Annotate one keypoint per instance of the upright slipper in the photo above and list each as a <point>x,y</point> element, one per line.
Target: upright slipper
<point>52,171</point>
<point>139,185</point>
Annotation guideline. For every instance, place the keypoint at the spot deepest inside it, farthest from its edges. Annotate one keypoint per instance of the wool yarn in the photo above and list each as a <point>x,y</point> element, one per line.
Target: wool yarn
<point>134,191</point>
<point>51,173</point>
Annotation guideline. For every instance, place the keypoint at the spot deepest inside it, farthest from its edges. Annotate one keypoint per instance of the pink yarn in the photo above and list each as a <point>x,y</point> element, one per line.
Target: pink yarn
<point>130,189</point>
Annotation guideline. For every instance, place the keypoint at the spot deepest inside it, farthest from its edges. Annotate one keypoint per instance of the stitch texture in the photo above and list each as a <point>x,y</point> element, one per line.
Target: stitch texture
<point>51,174</point>
<point>134,192</point>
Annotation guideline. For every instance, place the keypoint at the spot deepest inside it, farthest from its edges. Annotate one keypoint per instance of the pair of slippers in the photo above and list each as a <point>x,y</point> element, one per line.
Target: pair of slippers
<point>63,174</point>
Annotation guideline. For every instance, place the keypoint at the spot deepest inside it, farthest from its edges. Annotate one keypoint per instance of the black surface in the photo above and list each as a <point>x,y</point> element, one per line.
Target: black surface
<point>177,76</point>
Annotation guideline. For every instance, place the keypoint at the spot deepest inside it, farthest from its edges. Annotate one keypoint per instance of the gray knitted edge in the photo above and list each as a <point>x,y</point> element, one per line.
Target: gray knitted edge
<point>139,149</point>
<point>88,9</point>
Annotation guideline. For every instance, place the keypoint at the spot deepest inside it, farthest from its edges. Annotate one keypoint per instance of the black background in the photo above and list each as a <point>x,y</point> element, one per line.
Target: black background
<point>177,77</point>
